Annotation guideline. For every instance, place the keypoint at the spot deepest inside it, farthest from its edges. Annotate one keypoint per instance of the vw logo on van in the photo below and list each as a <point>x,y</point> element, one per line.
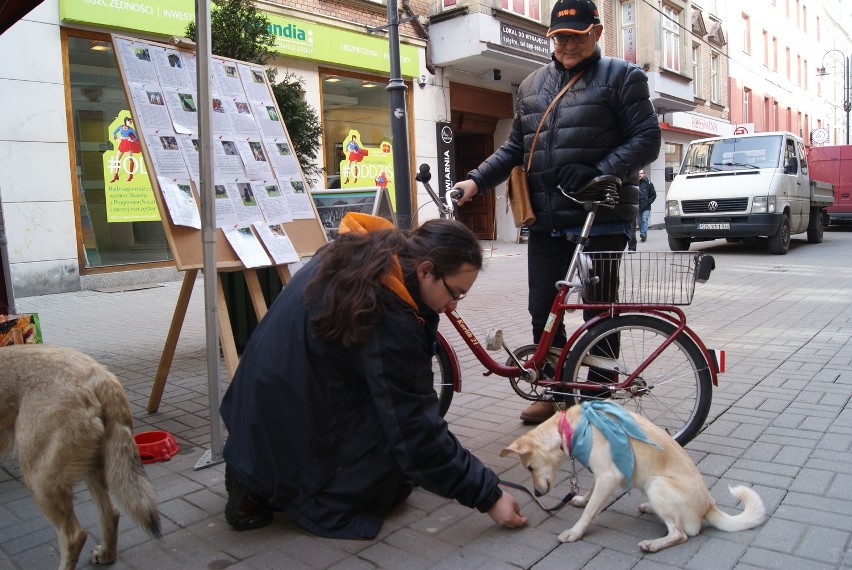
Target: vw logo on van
<point>713,205</point>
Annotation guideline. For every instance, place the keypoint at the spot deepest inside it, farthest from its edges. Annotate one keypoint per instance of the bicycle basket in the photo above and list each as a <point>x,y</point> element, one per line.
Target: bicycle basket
<point>646,277</point>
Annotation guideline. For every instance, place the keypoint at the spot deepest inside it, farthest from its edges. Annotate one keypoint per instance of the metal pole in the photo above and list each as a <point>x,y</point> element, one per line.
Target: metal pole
<point>399,123</point>
<point>203,57</point>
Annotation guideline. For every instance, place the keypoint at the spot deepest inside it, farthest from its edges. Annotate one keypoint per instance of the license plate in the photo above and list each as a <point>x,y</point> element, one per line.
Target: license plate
<point>724,226</point>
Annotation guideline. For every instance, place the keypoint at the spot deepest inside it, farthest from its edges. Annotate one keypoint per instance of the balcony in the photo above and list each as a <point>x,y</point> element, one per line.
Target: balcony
<point>670,92</point>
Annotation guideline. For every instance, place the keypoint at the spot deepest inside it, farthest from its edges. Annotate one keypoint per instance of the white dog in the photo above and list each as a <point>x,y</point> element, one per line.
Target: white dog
<point>69,420</point>
<point>651,461</point>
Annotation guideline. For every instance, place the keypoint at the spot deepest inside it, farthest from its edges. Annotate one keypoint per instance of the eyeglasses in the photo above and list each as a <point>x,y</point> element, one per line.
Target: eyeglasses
<point>455,297</point>
<point>576,39</point>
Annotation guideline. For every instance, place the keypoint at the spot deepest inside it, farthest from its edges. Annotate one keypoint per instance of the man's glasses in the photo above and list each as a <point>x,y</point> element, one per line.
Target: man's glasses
<point>455,296</point>
<point>576,39</point>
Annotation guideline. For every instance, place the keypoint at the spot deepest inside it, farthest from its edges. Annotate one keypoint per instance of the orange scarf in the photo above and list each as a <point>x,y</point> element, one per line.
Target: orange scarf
<point>366,223</point>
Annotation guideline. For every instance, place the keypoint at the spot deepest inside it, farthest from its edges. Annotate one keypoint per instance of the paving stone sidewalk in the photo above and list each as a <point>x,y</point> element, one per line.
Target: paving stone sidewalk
<point>781,422</point>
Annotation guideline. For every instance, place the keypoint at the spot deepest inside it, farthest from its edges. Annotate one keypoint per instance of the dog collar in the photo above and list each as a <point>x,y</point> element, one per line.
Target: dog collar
<point>566,432</point>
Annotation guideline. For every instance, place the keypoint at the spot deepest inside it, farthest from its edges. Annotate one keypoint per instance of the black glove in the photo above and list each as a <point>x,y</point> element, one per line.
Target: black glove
<point>572,177</point>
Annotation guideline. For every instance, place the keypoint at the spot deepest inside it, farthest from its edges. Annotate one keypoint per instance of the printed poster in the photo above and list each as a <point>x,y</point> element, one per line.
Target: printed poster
<point>127,187</point>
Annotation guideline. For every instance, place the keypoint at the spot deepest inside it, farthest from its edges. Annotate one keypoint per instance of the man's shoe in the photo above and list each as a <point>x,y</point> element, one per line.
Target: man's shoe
<point>538,412</point>
<point>643,237</point>
<point>244,510</point>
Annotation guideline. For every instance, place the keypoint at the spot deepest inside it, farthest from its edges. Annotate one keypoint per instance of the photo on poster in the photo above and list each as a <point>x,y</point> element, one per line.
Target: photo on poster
<point>298,200</point>
<point>277,243</point>
<point>189,148</point>
<point>254,158</point>
<point>170,68</point>
<point>183,109</point>
<point>247,247</point>
<point>220,118</point>
<point>136,60</point>
<point>241,117</point>
<point>284,162</point>
<point>268,119</point>
<point>190,66</point>
<point>228,164</point>
<point>166,156</point>
<point>245,204</point>
<point>227,78</point>
<point>254,82</point>
<point>150,105</point>
<point>180,202</point>
<point>226,213</point>
<point>271,201</point>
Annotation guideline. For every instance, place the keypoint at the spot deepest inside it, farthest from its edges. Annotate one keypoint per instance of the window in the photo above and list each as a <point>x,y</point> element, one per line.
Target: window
<point>696,70</point>
<point>765,48</point>
<point>805,74</point>
<point>805,19</point>
<point>746,33</point>
<point>818,29</point>
<point>355,104</point>
<point>108,236</point>
<point>746,105</point>
<point>673,155</point>
<point>526,8</point>
<point>789,62</point>
<point>714,78</point>
<point>671,38</point>
<point>766,116</point>
<point>628,31</point>
<point>775,55</point>
<point>799,70</point>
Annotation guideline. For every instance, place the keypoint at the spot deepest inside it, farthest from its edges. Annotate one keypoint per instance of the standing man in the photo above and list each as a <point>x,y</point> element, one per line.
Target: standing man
<point>605,124</point>
<point>647,195</point>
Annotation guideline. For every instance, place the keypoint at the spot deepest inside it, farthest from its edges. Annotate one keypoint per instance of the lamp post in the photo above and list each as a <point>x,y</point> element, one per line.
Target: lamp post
<point>847,84</point>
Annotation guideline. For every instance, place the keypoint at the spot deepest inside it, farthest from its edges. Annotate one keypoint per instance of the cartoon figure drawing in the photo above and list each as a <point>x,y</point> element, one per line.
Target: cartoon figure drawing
<point>355,154</point>
<point>129,144</point>
<point>382,180</point>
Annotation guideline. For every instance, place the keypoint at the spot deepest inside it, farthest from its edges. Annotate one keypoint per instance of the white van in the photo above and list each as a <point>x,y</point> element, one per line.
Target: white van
<point>744,186</point>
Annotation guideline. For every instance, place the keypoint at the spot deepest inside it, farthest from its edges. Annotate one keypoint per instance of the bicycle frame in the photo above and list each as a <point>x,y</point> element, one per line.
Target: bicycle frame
<point>670,313</point>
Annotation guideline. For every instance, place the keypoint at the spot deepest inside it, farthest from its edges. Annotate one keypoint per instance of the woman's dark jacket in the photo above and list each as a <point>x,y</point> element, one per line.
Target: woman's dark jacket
<point>605,121</point>
<point>335,436</point>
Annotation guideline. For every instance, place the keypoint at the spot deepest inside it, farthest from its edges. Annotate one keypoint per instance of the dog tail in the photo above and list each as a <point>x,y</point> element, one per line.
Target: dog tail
<point>124,472</point>
<point>753,514</point>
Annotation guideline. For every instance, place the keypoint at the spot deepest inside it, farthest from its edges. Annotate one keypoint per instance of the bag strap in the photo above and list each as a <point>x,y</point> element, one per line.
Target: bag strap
<point>547,111</point>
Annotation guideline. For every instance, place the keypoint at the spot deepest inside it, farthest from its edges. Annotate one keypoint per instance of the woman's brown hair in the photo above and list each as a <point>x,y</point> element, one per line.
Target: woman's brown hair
<point>352,266</point>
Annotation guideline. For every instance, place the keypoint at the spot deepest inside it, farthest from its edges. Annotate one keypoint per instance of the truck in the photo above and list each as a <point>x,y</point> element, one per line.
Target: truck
<point>738,187</point>
<point>834,164</point>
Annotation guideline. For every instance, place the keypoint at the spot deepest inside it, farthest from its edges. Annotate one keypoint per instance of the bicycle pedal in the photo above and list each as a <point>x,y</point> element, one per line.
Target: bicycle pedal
<point>494,339</point>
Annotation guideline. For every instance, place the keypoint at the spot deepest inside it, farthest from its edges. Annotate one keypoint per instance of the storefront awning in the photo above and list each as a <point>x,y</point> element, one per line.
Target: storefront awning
<point>13,10</point>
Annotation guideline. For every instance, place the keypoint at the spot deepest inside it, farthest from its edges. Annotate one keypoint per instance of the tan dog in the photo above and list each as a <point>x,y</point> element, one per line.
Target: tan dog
<point>69,420</point>
<point>667,476</point>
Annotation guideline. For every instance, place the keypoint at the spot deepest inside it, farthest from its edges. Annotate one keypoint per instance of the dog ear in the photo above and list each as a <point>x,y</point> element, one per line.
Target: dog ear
<point>515,447</point>
<point>506,451</point>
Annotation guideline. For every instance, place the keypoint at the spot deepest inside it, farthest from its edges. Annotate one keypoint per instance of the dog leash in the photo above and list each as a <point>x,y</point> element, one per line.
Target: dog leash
<point>549,510</point>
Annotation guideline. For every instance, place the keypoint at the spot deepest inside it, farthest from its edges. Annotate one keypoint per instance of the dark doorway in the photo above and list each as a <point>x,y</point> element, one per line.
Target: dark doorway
<point>478,214</point>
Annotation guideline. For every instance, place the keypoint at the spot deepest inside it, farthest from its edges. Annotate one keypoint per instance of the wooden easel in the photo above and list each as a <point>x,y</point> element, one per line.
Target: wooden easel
<point>307,235</point>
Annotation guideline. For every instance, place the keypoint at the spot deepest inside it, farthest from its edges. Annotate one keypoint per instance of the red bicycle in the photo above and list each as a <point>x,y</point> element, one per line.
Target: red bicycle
<point>637,350</point>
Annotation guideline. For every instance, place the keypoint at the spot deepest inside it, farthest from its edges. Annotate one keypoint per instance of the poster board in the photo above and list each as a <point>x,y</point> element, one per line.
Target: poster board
<point>332,205</point>
<point>253,150</point>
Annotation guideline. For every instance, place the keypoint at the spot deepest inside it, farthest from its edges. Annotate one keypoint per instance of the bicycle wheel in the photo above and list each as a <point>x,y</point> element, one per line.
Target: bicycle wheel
<point>524,388</point>
<point>674,391</point>
<point>442,371</point>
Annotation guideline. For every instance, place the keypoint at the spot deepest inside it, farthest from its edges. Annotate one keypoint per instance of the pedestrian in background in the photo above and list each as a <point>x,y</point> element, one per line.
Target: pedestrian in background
<point>647,195</point>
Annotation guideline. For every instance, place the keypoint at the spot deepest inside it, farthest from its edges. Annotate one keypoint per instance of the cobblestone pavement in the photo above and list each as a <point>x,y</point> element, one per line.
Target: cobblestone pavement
<point>781,422</point>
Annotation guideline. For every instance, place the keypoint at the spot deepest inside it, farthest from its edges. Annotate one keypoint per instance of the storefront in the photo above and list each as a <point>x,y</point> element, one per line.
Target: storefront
<point>64,234</point>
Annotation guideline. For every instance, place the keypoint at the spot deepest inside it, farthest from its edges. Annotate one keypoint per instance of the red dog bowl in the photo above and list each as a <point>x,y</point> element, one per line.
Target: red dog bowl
<point>156,446</point>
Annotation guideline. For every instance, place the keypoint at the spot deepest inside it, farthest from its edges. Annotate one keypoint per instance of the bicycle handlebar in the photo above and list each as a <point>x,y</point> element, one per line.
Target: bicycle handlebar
<point>446,207</point>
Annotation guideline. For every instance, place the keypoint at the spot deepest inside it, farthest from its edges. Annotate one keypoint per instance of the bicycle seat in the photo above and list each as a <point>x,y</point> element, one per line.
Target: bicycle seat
<point>600,190</point>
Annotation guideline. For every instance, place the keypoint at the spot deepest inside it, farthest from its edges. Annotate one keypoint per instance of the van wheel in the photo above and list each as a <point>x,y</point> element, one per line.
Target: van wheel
<point>816,226</point>
<point>779,244</point>
<point>679,244</point>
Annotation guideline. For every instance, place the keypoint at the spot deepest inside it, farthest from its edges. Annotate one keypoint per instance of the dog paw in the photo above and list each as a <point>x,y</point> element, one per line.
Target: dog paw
<point>646,508</point>
<point>647,546</point>
<point>571,535</point>
<point>101,556</point>
<point>578,501</point>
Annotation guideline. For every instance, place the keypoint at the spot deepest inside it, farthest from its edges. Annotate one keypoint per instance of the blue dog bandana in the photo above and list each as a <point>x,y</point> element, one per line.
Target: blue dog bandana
<point>617,426</point>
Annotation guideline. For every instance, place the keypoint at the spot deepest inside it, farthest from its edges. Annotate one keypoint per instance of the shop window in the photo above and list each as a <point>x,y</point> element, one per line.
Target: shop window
<point>113,231</point>
<point>356,131</point>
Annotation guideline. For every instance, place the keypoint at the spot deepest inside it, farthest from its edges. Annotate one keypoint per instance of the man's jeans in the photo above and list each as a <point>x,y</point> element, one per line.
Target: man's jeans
<point>643,222</point>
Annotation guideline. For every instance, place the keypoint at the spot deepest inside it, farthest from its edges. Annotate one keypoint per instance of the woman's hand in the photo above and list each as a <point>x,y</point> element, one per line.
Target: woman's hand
<point>468,187</point>
<point>506,511</point>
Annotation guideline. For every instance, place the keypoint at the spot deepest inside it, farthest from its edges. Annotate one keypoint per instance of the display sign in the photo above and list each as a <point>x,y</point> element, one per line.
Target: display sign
<point>293,37</point>
<point>520,39</point>
<point>446,157</point>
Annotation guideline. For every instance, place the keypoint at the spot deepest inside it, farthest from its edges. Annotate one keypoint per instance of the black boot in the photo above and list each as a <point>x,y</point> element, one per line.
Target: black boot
<point>244,510</point>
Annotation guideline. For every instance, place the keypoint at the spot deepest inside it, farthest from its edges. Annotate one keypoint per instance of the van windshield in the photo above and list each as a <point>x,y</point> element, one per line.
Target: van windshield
<point>733,154</point>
